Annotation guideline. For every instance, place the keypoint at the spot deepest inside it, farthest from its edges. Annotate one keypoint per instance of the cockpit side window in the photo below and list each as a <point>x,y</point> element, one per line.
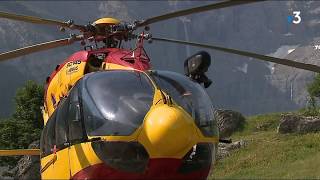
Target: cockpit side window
<point>190,96</point>
<point>48,136</point>
<point>62,128</point>
<point>65,125</point>
<point>75,122</point>
<point>177,91</point>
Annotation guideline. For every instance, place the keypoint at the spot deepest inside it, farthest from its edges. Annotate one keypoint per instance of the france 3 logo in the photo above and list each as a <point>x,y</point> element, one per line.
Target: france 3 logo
<point>295,18</point>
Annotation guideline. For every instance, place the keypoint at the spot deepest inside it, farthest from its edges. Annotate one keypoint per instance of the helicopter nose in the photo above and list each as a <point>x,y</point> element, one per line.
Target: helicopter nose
<point>168,132</point>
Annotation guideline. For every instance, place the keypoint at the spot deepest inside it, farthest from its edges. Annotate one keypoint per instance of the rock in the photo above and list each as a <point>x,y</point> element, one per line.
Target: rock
<point>28,167</point>
<point>224,150</point>
<point>228,122</point>
<point>291,123</point>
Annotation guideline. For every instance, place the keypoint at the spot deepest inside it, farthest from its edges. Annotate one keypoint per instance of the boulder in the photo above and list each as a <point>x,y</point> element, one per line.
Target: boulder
<point>292,123</point>
<point>28,167</point>
<point>228,122</point>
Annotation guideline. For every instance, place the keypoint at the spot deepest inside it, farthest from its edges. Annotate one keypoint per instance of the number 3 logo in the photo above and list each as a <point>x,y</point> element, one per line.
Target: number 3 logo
<point>297,17</point>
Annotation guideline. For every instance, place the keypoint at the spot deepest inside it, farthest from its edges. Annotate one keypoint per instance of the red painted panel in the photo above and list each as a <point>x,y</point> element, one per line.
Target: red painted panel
<point>161,168</point>
<point>115,56</point>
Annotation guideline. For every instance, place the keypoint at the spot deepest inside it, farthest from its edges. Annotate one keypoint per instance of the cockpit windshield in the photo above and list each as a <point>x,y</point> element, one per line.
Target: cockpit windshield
<point>115,102</point>
<point>190,96</point>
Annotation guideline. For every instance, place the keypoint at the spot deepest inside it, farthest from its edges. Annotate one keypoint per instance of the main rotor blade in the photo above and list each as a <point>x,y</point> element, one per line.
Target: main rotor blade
<point>38,20</point>
<point>38,47</point>
<point>199,9</point>
<point>286,62</point>
<point>19,152</point>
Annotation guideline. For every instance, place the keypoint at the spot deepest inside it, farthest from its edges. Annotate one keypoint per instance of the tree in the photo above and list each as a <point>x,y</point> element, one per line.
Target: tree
<point>314,91</point>
<point>9,134</point>
<point>26,124</point>
<point>28,100</point>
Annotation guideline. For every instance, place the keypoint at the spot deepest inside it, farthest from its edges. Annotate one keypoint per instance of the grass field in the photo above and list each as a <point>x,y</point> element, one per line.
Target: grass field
<point>271,155</point>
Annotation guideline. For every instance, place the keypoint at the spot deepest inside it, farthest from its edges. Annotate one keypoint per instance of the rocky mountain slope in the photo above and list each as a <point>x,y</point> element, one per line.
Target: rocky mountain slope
<point>292,81</point>
<point>240,83</point>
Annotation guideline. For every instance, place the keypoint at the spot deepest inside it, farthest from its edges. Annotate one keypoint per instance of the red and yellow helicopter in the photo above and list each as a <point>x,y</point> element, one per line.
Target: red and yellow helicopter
<point>108,115</point>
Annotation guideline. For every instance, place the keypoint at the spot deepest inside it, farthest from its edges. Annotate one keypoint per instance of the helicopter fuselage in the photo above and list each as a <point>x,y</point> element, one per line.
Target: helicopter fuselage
<point>153,134</point>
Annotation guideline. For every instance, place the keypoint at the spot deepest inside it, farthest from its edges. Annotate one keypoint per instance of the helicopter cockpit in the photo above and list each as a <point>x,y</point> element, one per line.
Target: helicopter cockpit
<point>115,103</point>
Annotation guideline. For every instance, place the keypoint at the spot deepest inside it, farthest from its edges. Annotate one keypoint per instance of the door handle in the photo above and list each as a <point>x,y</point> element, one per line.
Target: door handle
<point>54,159</point>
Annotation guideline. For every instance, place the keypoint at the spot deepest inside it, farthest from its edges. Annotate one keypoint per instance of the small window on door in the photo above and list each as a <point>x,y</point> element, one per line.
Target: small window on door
<point>76,130</point>
<point>43,142</point>
<point>62,125</point>
<point>49,136</point>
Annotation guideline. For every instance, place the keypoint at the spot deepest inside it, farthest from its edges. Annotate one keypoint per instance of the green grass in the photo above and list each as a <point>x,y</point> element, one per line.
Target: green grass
<point>271,155</point>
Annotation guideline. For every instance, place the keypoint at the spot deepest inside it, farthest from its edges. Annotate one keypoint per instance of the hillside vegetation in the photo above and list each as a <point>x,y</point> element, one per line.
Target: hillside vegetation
<point>271,155</point>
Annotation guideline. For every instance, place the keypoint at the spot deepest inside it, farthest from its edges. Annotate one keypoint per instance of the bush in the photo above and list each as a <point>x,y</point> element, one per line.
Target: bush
<point>310,111</point>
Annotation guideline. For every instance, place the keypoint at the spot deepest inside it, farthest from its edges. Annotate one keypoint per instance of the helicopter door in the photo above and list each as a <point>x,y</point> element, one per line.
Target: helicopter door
<point>76,134</point>
<point>46,143</point>
<point>55,156</point>
<point>62,165</point>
